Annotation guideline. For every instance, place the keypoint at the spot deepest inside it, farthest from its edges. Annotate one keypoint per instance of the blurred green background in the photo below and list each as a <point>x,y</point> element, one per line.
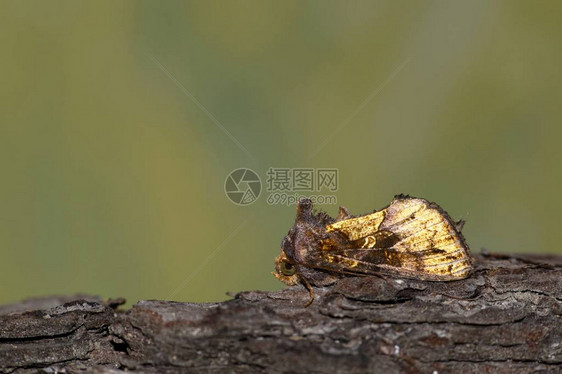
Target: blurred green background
<point>120,122</point>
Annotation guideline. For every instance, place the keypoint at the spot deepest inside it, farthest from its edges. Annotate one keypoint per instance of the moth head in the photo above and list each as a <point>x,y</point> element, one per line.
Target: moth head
<point>304,237</point>
<point>285,270</point>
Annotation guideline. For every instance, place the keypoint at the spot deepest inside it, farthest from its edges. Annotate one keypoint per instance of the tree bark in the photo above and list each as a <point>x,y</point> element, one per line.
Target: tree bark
<point>504,318</point>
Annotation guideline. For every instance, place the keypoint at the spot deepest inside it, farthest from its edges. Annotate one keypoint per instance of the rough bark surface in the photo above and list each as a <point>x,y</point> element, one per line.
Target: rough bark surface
<point>504,318</point>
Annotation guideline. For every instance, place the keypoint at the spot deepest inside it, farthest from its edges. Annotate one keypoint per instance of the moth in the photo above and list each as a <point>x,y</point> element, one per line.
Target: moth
<point>410,238</point>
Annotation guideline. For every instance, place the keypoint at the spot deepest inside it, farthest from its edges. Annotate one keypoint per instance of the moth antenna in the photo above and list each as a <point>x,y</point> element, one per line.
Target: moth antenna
<point>343,214</point>
<point>460,224</point>
<point>304,210</point>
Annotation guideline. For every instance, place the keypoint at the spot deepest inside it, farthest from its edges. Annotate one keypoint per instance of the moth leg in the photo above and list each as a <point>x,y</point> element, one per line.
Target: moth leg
<point>310,290</point>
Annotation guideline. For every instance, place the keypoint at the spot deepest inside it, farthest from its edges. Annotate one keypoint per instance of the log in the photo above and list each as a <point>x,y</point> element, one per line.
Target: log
<point>504,318</point>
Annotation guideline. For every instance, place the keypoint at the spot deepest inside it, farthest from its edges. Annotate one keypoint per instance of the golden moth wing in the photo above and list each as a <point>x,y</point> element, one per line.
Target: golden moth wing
<point>411,237</point>
<point>422,227</point>
<point>359,227</point>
